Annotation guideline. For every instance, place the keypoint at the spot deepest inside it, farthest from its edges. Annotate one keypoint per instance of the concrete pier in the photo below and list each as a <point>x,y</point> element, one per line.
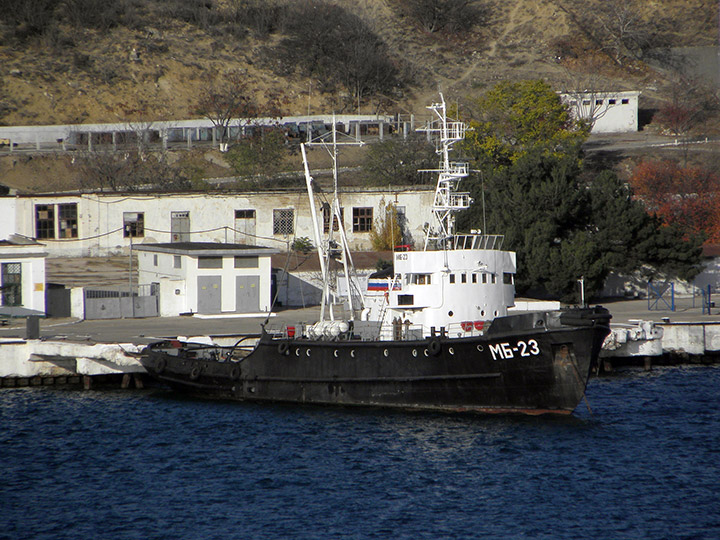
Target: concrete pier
<point>68,351</point>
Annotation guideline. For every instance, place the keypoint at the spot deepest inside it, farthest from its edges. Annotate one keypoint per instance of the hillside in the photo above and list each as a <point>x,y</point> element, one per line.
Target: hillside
<point>152,60</point>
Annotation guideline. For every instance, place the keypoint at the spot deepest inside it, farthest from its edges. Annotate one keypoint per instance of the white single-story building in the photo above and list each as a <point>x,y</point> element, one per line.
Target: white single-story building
<point>608,112</point>
<point>22,277</point>
<point>207,277</point>
<point>101,224</point>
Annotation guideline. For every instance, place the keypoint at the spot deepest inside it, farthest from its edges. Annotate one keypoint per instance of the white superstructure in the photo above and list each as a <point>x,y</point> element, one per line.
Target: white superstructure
<point>456,285</point>
<point>459,282</point>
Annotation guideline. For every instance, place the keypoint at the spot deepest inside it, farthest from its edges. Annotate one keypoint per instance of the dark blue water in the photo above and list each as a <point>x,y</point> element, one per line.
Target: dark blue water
<point>148,464</point>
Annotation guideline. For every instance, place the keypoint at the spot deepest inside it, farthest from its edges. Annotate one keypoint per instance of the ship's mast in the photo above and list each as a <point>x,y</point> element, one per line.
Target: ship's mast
<point>326,246</point>
<point>448,201</point>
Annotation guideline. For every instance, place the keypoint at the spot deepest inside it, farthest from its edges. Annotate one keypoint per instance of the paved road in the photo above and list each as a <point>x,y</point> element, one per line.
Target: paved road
<point>142,331</point>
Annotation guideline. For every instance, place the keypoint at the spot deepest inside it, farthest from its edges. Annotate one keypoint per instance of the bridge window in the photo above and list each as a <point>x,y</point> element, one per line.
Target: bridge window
<point>406,299</point>
<point>507,278</point>
<point>421,279</point>
<point>463,278</point>
<point>452,278</point>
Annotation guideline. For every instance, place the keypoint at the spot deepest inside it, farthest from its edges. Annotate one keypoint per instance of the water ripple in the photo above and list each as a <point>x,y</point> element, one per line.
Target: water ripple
<point>151,464</point>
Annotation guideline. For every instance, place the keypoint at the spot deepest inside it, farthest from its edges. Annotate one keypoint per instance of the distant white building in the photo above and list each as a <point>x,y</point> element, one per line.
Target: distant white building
<point>608,112</point>
<point>22,276</point>
<point>101,224</point>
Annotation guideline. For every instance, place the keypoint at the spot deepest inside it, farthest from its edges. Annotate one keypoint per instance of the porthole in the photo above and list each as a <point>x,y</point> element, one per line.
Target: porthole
<point>352,353</point>
<point>414,353</point>
<point>335,353</point>
<point>297,352</point>
<point>451,350</point>
<point>495,313</point>
<point>385,352</point>
<point>307,352</point>
<point>425,352</point>
<point>480,348</point>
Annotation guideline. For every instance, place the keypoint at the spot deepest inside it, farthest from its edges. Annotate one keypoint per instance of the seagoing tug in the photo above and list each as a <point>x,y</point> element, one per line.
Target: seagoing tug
<point>432,333</point>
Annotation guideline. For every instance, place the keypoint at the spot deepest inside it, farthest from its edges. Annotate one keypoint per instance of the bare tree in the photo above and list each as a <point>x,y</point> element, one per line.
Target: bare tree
<point>616,27</point>
<point>439,15</point>
<point>585,92</point>
<point>224,100</point>
<point>106,170</point>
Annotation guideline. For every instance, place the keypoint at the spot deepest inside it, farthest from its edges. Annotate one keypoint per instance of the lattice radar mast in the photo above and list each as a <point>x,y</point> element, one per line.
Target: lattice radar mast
<point>448,200</point>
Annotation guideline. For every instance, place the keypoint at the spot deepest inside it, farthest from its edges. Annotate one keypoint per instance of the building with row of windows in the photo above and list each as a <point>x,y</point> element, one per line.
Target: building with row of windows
<point>100,224</point>
<point>606,112</point>
<point>206,253</point>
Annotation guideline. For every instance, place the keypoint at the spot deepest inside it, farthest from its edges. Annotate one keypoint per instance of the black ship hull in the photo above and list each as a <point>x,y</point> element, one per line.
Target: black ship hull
<point>532,363</point>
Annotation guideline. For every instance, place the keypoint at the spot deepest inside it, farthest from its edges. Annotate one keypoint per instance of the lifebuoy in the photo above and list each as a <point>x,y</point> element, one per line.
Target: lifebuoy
<point>284,347</point>
<point>160,364</point>
<point>434,347</point>
<point>195,372</point>
<point>235,373</point>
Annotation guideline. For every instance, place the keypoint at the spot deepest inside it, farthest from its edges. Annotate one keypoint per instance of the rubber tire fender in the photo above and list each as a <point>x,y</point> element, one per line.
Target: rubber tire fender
<point>160,364</point>
<point>235,373</point>
<point>195,372</point>
<point>283,348</point>
<point>434,346</point>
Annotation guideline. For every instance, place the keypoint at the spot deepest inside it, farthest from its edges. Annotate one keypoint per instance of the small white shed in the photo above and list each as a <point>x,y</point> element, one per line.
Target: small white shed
<point>206,277</point>
<point>22,277</point>
<point>608,112</point>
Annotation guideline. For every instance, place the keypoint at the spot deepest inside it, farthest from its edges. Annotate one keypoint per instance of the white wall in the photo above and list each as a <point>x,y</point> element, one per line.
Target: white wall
<point>184,281</point>
<point>32,263</point>
<point>607,109</point>
<point>100,217</point>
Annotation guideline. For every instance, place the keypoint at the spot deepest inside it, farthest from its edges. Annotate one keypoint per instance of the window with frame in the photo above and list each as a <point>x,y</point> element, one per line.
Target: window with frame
<point>283,221</point>
<point>247,262</point>
<point>133,224</point>
<point>11,284</point>
<point>624,101</point>
<point>210,262</point>
<point>177,261</point>
<point>362,219</point>
<point>44,221</point>
<point>327,212</point>
<point>405,299</point>
<point>67,220</point>
<point>245,214</point>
